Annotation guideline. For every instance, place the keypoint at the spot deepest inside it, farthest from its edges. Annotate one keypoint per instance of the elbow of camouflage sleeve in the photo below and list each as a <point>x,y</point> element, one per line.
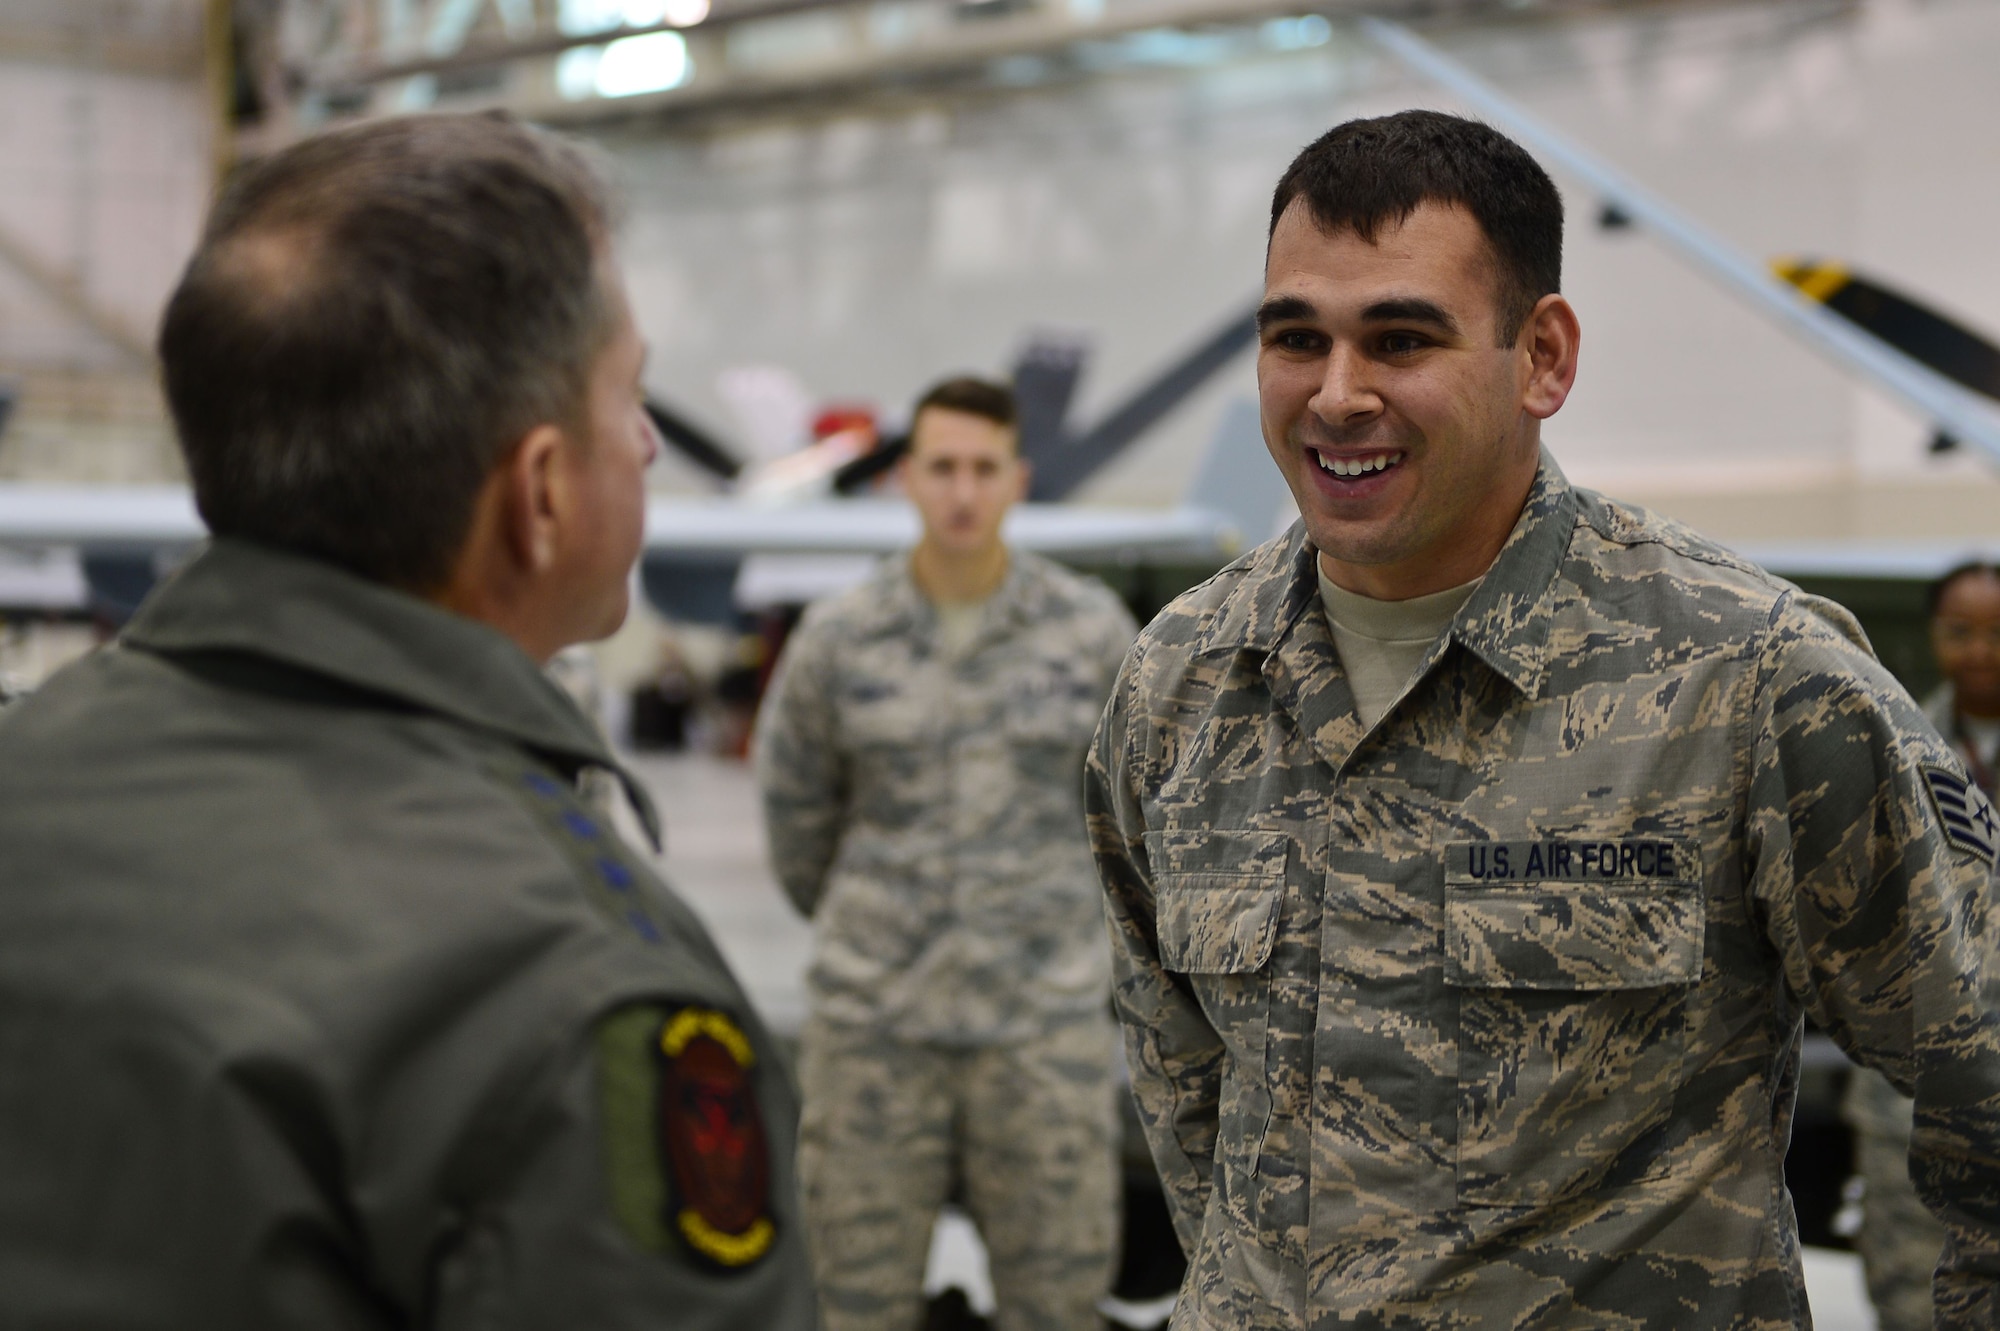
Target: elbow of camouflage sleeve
<point>1965,1294</point>
<point>804,882</point>
<point>801,852</point>
<point>1955,1167</point>
<point>1187,1203</point>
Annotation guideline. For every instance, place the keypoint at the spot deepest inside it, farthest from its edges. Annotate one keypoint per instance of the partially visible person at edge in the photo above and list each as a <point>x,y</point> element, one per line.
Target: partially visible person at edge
<point>1474,850</point>
<point>1899,1240</point>
<point>323,999</point>
<point>920,755</point>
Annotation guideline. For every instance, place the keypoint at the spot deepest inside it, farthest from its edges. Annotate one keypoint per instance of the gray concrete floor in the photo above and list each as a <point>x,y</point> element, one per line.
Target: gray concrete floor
<point>715,860</point>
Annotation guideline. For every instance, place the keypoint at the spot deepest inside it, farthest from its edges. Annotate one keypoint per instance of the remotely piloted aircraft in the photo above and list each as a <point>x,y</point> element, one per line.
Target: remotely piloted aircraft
<point>699,551</point>
<point>707,558</point>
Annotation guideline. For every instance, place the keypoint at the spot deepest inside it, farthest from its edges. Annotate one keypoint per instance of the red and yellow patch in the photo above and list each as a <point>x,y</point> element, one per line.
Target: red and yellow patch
<point>712,1139</point>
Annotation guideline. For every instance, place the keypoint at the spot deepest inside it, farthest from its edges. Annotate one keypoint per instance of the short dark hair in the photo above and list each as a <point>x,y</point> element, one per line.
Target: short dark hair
<point>1364,173</point>
<point>973,396</point>
<point>1934,594</point>
<point>373,316</point>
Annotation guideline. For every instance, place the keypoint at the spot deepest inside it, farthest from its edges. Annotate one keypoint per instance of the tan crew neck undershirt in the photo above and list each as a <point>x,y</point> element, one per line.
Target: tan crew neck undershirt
<point>1382,642</point>
<point>958,624</point>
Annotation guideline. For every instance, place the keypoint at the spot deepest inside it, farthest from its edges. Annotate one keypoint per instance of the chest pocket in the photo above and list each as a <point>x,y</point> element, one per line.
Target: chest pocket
<point>878,715</point>
<point>1573,1018</point>
<point>1219,896</point>
<point>1054,705</point>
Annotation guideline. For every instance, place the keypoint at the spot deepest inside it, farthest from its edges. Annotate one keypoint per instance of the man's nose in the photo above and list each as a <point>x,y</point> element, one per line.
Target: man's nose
<point>1347,391</point>
<point>654,443</point>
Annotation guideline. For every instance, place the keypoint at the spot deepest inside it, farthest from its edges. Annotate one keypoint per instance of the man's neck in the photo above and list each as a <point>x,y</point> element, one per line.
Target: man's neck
<point>1472,549</point>
<point>958,576</point>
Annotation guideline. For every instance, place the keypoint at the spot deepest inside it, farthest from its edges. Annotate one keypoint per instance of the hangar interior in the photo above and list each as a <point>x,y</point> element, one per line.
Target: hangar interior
<point>831,203</point>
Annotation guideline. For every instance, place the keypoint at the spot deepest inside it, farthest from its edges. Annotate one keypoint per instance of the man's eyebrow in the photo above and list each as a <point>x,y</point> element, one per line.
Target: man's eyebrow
<point>1279,309</point>
<point>1410,309</point>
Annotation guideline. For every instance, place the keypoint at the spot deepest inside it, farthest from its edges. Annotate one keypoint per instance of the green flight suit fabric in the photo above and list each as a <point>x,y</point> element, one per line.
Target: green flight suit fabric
<point>306,943</point>
<point>1489,1015</point>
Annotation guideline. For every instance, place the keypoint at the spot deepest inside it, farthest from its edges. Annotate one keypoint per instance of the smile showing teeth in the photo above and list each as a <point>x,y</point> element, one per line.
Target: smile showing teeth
<point>1357,466</point>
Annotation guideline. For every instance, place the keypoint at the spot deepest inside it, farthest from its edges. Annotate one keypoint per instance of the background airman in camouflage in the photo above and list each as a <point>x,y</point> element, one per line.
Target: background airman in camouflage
<point>920,755</point>
<point>1899,1241</point>
<point>1478,1004</point>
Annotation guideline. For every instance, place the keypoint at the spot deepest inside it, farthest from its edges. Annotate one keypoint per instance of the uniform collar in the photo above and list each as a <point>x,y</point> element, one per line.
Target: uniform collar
<point>1505,623</point>
<point>237,596</point>
<point>901,605</point>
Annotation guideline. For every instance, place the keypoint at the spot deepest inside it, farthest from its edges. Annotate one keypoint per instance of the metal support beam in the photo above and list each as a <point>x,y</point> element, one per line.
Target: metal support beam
<point>1951,408</point>
<point>62,291</point>
<point>448,59</point>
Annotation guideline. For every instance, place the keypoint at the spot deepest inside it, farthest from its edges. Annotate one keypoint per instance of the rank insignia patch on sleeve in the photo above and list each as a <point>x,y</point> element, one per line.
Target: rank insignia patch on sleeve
<point>712,1139</point>
<point>1963,811</point>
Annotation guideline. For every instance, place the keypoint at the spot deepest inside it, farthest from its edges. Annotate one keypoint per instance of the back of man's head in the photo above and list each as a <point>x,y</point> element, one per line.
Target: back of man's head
<point>374,316</point>
<point>1365,173</point>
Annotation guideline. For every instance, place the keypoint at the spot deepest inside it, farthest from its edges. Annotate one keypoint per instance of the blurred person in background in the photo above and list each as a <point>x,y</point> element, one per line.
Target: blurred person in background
<point>324,998</point>
<point>920,755</point>
<point>1899,1239</point>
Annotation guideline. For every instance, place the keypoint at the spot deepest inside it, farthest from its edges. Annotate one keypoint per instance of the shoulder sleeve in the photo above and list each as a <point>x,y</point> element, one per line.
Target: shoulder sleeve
<point>1871,864</point>
<point>1102,625</point>
<point>801,769</point>
<point>1117,629</point>
<point>1174,1054</point>
<point>653,1184</point>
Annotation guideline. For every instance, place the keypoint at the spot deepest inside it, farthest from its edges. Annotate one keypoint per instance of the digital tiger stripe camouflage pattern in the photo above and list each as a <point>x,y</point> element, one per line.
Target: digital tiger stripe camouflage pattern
<point>1390,1082</point>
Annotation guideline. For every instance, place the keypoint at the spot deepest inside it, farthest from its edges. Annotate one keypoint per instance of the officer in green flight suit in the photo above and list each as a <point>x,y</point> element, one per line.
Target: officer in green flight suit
<point>324,999</point>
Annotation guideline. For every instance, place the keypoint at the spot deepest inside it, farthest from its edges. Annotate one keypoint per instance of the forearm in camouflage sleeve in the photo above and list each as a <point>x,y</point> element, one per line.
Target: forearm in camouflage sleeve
<point>1881,922</point>
<point>1174,1054</point>
<point>800,771</point>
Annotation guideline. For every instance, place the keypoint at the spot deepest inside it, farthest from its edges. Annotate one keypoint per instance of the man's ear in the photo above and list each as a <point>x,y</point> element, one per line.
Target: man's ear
<point>534,498</point>
<point>1024,478</point>
<point>1551,337</point>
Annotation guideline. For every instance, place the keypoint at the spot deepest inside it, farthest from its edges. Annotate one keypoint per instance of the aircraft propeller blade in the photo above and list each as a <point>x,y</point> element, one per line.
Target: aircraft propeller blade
<point>693,443</point>
<point>1916,330</point>
<point>856,474</point>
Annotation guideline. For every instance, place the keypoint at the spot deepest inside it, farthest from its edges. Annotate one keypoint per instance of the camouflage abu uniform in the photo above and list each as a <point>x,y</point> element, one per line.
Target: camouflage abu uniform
<point>924,809</point>
<point>1899,1240</point>
<point>1489,1017</point>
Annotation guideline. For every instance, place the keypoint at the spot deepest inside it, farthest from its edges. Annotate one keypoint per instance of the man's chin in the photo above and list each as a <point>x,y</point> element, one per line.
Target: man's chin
<point>963,544</point>
<point>608,621</point>
<point>1359,543</point>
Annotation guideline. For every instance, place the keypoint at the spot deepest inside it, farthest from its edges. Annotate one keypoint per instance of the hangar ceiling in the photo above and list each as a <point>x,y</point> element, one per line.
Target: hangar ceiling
<point>305,63</point>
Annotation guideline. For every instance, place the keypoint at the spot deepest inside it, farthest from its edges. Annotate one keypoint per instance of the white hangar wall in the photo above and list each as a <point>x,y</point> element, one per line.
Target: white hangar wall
<point>874,249</point>
<point>106,151</point>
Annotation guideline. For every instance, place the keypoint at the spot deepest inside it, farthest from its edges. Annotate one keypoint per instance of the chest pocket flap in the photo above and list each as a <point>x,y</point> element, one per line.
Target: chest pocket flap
<point>1573,936</point>
<point>1218,898</point>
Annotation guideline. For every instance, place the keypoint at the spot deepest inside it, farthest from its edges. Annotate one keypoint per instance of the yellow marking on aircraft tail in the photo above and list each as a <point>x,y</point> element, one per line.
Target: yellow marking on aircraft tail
<point>1816,280</point>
